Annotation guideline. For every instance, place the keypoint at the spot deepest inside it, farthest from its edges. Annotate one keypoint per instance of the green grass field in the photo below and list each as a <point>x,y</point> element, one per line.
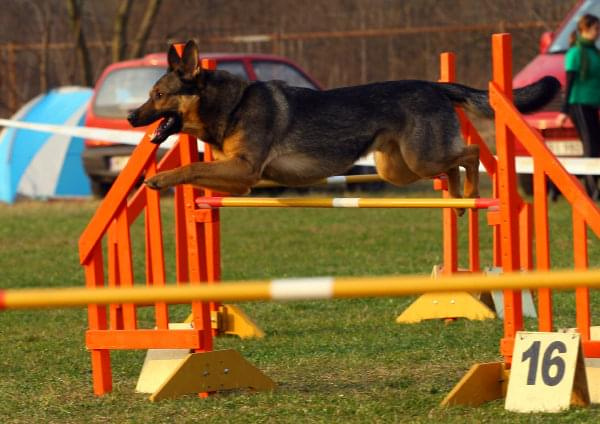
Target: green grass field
<point>333,361</point>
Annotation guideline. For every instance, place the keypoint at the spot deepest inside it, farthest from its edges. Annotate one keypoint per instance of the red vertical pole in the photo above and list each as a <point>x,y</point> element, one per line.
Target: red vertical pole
<point>194,237</point>
<point>125,264</point>
<point>526,236</point>
<point>509,201</point>
<point>542,244</point>
<point>450,231</point>
<point>496,238</point>
<point>181,241</point>
<point>155,261</point>
<point>114,280</point>
<point>94,278</point>
<point>181,253</point>
<point>473,214</point>
<point>212,229</point>
<point>582,294</point>
<point>196,264</point>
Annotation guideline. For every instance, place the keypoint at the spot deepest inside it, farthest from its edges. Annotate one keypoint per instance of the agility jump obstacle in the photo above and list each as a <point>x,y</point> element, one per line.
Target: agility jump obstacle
<point>197,260</point>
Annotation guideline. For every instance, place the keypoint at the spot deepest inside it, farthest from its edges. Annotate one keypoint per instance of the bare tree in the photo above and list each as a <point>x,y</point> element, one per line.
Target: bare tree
<point>44,18</point>
<point>139,44</point>
<point>339,42</point>
<point>120,30</point>
<point>74,8</point>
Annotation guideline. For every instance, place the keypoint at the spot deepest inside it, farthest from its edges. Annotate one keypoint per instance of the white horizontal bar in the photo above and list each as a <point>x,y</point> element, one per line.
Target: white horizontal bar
<point>93,133</point>
<point>524,164</point>
<point>302,288</point>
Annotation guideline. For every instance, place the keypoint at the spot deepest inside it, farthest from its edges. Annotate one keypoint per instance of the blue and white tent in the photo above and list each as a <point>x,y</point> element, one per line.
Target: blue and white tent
<point>44,165</point>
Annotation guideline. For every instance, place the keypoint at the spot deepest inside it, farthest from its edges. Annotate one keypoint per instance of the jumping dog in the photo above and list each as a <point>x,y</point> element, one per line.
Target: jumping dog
<point>297,136</point>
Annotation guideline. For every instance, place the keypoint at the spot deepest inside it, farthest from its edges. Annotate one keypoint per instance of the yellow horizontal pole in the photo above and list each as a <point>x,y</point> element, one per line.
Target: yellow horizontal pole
<point>296,289</point>
<point>341,202</point>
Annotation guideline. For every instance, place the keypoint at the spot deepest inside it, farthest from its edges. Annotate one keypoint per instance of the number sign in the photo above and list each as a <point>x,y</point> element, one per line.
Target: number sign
<point>547,373</point>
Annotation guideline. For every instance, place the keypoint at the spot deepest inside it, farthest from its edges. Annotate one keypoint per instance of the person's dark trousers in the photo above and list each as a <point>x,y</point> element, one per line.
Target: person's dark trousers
<point>587,123</point>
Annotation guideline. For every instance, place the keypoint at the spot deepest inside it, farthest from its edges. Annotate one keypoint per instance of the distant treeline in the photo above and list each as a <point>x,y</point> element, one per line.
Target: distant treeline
<point>340,42</point>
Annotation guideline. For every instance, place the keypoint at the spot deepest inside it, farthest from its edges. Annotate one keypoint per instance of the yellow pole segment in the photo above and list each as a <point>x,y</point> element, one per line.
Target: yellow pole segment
<point>267,202</point>
<point>416,203</point>
<point>264,290</point>
<point>73,297</point>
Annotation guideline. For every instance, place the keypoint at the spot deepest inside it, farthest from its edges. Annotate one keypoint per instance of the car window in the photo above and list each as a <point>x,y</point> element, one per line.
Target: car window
<point>270,70</point>
<point>125,89</point>
<point>561,41</point>
<point>234,67</point>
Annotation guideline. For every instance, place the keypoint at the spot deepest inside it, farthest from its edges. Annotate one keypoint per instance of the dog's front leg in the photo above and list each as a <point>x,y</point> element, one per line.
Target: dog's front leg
<point>235,176</point>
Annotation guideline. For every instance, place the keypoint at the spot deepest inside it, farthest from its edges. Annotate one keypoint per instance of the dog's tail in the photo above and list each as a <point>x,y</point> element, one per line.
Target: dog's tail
<point>527,99</point>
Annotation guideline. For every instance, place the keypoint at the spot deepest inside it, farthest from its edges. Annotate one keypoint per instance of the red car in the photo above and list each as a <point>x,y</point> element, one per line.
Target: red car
<point>125,85</point>
<point>563,141</point>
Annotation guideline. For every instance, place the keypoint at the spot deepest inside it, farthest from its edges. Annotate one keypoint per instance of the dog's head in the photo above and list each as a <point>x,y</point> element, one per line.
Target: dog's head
<point>171,95</point>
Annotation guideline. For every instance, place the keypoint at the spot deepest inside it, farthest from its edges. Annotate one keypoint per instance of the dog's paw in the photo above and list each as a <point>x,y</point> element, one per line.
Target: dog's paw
<point>459,211</point>
<point>153,183</point>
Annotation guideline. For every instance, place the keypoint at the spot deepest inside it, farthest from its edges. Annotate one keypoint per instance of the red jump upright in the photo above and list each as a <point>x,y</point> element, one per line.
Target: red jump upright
<point>197,258</point>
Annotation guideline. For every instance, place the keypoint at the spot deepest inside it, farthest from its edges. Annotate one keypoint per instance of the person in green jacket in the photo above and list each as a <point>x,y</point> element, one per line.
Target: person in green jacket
<point>582,93</point>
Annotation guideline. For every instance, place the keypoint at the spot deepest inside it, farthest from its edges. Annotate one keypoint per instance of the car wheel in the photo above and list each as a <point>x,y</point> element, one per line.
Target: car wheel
<point>100,188</point>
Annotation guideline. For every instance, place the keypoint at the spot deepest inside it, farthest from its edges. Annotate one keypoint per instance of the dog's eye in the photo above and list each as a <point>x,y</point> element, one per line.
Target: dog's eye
<point>159,94</point>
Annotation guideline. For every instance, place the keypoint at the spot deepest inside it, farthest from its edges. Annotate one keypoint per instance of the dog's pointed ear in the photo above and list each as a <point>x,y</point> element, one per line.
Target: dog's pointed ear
<point>173,59</point>
<point>190,68</point>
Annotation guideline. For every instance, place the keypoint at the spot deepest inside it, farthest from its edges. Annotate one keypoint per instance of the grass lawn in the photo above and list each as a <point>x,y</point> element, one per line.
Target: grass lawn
<point>333,361</point>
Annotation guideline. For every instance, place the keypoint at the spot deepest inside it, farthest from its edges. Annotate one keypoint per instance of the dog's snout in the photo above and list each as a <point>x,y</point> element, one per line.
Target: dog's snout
<point>132,116</point>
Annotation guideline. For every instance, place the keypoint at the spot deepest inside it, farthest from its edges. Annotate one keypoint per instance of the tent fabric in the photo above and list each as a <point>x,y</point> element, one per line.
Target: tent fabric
<point>43,165</point>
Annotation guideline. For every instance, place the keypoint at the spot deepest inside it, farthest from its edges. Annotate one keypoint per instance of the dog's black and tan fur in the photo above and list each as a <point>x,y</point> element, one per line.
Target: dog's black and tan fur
<point>297,136</point>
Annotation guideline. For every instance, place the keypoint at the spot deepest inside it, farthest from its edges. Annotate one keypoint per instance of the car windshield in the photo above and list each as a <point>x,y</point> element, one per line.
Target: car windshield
<point>125,89</point>
<point>561,41</point>
<point>270,70</point>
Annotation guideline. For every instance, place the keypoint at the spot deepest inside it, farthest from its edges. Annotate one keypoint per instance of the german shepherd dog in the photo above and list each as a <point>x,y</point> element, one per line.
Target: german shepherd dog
<point>297,136</point>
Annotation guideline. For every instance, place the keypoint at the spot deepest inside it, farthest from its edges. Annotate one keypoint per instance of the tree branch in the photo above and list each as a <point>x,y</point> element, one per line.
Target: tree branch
<point>120,30</point>
<point>74,9</point>
<point>144,31</point>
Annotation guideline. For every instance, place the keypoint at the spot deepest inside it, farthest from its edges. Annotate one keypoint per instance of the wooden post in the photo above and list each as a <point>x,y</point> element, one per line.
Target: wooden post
<point>582,294</point>
<point>450,231</point>
<point>509,200</point>
<point>542,244</point>
<point>94,278</point>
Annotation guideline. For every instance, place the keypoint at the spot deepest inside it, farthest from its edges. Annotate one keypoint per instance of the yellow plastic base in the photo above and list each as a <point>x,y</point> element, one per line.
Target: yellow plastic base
<point>159,364</point>
<point>231,320</point>
<point>489,381</point>
<point>592,369</point>
<point>448,305</point>
<point>445,305</point>
<point>482,383</point>
<point>211,372</point>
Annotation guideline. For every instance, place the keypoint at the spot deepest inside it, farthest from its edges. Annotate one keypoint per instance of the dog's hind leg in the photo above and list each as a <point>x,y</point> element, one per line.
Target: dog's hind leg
<point>454,186</point>
<point>470,161</point>
<point>390,163</point>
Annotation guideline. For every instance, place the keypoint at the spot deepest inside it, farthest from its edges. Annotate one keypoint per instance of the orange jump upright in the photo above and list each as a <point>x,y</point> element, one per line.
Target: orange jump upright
<point>197,261</point>
<point>513,249</point>
<point>455,304</point>
<point>585,213</point>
